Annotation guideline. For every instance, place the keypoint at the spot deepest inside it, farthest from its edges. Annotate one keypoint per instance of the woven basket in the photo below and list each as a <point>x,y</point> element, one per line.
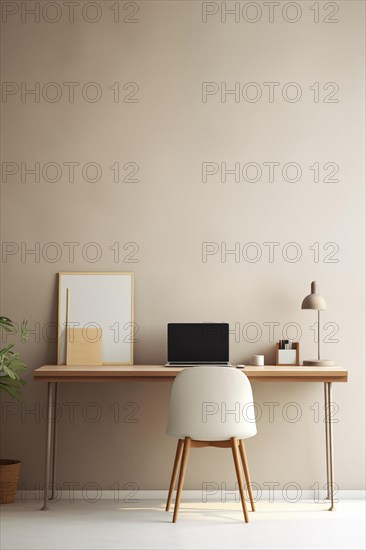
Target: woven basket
<point>9,475</point>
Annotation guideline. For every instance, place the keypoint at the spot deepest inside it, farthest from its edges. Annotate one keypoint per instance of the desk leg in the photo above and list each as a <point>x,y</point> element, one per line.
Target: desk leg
<point>331,465</point>
<point>49,434</point>
<point>326,434</point>
<point>54,443</point>
<point>329,431</point>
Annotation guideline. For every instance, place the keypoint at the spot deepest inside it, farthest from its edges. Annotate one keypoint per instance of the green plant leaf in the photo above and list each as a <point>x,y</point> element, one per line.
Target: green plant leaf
<point>7,349</point>
<point>7,324</point>
<point>10,373</point>
<point>11,363</point>
<point>12,390</point>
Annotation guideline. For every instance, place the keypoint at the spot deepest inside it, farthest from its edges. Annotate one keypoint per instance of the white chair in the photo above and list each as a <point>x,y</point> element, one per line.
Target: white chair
<point>211,407</point>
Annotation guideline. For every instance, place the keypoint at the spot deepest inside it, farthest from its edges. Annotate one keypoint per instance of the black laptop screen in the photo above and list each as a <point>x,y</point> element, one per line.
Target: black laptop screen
<point>198,342</point>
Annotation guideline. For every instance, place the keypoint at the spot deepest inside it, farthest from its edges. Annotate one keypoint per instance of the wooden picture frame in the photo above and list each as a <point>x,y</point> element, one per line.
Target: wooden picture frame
<point>296,348</point>
<point>104,300</point>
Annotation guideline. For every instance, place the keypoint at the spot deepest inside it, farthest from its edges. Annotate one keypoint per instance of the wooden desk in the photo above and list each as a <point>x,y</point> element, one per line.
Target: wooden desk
<point>53,374</point>
<point>115,373</point>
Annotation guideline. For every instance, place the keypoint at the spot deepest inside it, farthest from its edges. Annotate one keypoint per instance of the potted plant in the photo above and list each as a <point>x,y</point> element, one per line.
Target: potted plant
<point>11,366</point>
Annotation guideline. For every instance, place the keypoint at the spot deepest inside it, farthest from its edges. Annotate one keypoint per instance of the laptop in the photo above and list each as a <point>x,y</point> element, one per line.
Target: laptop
<point>194,344</point>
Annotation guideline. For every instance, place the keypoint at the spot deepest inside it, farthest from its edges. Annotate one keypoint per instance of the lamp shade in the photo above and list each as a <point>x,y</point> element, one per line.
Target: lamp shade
<point>314,300</point>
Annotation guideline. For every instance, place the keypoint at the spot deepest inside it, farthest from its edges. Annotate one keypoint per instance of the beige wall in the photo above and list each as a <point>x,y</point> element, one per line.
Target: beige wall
<point>169,133</point>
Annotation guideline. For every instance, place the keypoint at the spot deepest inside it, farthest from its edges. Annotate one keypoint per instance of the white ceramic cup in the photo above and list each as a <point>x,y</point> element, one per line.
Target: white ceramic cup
<point>258,360</point>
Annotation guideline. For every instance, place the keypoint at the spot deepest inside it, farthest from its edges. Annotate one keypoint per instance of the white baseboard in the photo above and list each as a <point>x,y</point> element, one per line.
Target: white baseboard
<point>197,495</point>
<point>135,496</point>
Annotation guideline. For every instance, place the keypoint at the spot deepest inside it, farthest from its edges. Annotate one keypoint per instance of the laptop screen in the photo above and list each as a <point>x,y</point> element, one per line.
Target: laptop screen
<point>198,342</point>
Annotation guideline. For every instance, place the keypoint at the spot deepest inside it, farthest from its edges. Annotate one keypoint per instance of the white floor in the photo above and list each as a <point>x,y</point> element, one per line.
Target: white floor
<point>105,524</point>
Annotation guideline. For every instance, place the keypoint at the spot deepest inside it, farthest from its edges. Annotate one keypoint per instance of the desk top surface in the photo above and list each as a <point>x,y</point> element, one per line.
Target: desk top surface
<point>109,373</point>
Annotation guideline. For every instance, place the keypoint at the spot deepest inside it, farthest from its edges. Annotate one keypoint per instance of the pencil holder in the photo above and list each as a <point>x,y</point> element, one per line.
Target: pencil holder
<point>288,356</point>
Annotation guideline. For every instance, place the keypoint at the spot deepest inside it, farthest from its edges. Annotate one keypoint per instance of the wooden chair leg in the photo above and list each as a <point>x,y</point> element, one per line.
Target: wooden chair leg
<point>182,473</point>
<point>234,447</point>
<point>246,472</point>
<point>178,456</point>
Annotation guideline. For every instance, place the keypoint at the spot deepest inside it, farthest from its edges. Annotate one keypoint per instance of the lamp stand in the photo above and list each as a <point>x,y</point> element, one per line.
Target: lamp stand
<point>319,362</point>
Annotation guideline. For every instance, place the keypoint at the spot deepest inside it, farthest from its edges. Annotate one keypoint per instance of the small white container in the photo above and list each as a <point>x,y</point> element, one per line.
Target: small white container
<point>287,356</point>
<point>258,360</point>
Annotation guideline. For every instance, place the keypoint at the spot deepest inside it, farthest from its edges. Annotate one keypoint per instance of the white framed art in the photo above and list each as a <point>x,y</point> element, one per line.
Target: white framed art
<point>102,300</point>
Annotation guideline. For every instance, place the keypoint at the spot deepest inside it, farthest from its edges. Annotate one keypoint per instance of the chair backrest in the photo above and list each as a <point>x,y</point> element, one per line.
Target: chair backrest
<point>211,404</point>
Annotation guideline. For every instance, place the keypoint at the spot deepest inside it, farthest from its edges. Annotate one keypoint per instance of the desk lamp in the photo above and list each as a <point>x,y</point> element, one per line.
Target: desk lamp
<point>317,302</point>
